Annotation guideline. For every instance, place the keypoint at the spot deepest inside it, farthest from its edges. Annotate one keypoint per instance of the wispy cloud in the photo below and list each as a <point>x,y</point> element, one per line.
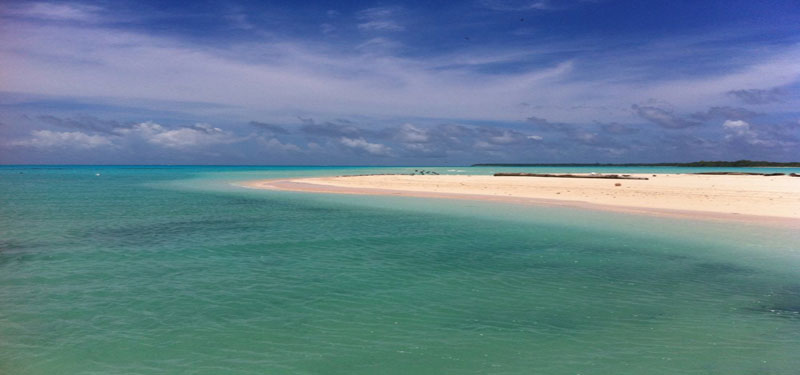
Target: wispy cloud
<point>99,63</point>
<point>82,122</point>
<point>275,145</point>
<point>522,5</point>
<point>93,132</point>
<point>409,133</point>
<point>360,144</point>
<point>380,19</point>
<point>179,138</point>
<point>618,129</point>
<point>724,112</point>
<point>238,18</point>
<point>327,28</point>
<point>270,128</point>
<point>46,139</point>
<point>332,129</point>
<point>53,11</point>
<point>758,96</point>
<point>663,117</point>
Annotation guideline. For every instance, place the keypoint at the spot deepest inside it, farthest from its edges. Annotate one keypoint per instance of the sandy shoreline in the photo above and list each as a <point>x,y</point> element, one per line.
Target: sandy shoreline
<point>751,198</point>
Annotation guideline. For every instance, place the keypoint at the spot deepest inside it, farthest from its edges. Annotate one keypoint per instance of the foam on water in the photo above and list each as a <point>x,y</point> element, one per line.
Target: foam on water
<point>162,271</point>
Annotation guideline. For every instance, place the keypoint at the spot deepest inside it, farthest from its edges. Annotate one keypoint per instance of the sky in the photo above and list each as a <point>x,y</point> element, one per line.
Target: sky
<point>398,82</point>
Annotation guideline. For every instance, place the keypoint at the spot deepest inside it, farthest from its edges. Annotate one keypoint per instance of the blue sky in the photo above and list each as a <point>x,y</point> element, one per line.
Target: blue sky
<point>413,83</point>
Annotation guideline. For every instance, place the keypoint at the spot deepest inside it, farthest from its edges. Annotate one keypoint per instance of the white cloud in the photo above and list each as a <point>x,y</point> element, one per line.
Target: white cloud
<point>180,138</point>
<point>504,138</point>
<point>376,149</point>
<point>55,11</point>
<point>585,137</point>
<point>739,129</point>
<point>736,125</point>
<point>273,144</point>
<point>408,133</point>
<point>377,13</point>
<point>423,149</point>
<point>50,139</point>
<point>484,145</point>
<point>155,134</point>
<point>767,71</point>
<point>382,25</point>
<point>379,19</point>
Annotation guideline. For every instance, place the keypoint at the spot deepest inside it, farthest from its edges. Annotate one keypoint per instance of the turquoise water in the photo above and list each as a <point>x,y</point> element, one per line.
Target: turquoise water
<point>175,270</point>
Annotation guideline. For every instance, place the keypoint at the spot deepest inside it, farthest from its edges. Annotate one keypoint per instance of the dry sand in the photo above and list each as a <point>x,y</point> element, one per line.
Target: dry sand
<point>761,198</point>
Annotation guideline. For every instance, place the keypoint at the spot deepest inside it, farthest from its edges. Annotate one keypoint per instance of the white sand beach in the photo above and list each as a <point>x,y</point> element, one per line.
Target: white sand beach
<point>745,197</point>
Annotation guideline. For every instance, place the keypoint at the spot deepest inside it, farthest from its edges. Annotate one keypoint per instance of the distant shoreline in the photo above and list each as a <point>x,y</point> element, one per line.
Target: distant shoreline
<point>697,164</point>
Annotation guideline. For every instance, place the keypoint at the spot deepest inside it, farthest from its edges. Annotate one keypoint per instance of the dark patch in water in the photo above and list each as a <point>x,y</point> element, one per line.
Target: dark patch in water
<point>783,302</point>
<point>545,322</point>
<point>174,227</point>
<point>14,250</point>
<point>719,269</point>
<point>157,232</point>
<point>6,245</point>
<point>786,301</point>
<point>244,202</point>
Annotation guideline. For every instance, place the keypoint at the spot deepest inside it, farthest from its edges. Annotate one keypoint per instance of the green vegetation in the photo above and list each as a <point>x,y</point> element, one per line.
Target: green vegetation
<point>738,163</point>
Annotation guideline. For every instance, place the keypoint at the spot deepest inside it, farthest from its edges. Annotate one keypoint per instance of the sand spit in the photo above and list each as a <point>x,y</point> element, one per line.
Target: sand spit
<point>743,197</point>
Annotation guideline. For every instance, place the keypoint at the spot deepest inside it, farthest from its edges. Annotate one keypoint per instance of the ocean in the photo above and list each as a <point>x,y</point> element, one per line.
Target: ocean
<point>171,270</point>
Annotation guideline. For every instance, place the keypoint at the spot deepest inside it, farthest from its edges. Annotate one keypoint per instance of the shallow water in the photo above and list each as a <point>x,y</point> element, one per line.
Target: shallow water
<point>175,270</point>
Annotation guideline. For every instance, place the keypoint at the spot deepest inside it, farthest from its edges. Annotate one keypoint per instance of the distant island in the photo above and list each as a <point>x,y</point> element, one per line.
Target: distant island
<point>738,163</point>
